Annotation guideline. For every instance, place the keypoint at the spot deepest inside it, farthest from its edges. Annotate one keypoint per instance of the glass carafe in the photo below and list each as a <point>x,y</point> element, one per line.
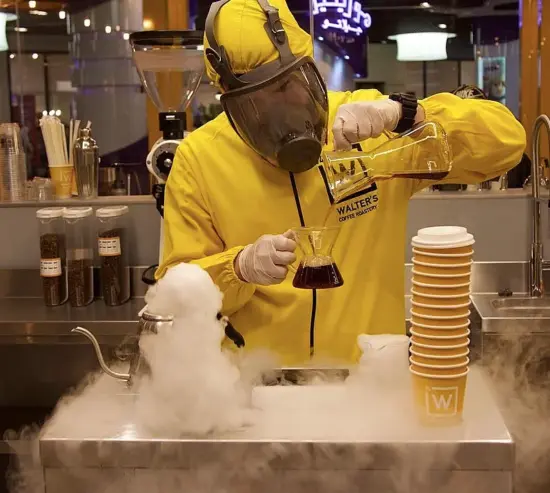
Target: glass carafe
<point>317,268</point>
<point>422,153</point>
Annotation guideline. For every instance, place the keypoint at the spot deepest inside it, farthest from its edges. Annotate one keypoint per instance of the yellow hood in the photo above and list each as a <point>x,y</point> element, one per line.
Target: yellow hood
<point>239,27</point>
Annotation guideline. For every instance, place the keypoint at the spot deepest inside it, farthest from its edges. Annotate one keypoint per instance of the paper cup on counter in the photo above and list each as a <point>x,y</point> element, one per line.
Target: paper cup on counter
<point>440,291</point>
<point>434,270</point>
<point>434,301</point>
<point>439,399</point>
<point>440,371</point>
<point>449,354</point>
<point>434,325</point>
<point>62,178</point>
<point>439,323</point>
<point>440,281</point>
<point>463,332</point>
<point>446,364</point>
<point>434,257</point>
<point>435,343</point>
<point>441,312</point>
<point>439,351</point>
<point>444,251</point>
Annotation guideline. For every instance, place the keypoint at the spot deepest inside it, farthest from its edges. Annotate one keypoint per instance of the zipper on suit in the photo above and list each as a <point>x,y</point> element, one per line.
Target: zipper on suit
<point>314,291</point>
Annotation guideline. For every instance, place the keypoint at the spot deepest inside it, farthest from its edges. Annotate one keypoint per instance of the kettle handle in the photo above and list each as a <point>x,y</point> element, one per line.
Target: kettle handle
<point>231,332</point>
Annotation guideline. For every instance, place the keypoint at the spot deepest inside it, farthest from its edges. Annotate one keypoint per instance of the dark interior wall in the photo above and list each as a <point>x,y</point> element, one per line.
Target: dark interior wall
<point>202,11</point>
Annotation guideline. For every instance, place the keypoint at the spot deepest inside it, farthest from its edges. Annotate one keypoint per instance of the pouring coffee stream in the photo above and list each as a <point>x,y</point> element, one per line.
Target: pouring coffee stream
<point>421,153</point>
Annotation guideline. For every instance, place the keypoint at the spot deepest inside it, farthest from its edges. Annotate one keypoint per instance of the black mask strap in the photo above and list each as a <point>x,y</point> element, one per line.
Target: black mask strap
<point>276,32</point>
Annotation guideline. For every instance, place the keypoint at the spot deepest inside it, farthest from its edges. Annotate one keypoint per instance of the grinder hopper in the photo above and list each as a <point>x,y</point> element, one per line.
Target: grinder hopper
<point>170,65</point>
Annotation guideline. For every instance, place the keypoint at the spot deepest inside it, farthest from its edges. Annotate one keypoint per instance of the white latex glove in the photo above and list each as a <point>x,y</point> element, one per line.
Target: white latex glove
<point>359,121</point>
<point>266,261</point>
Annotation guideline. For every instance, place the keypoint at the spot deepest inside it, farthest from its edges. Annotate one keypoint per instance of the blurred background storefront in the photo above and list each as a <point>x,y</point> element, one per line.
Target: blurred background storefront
<point>71,58</point>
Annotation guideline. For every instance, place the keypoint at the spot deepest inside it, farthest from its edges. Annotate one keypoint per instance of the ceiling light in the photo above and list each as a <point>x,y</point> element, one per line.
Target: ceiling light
<point>126,36</point>
<point>52,112</point>
<point>442,26</point>
<point>117,28</point>
<point>12,55</point>
<point>45,113</point>
<point>62,14</point>
<point>35,56</point>
<point>32,4</point>
<point>38,12</point>
<point>57,112</point>
<point>346,57</point>
<point>20,29</point>
<point>148,24</point>
<point>421,47</point>
<point>320,38</point>
<point>425,5</point>
<point>108,29</point>
<point>87,22</point>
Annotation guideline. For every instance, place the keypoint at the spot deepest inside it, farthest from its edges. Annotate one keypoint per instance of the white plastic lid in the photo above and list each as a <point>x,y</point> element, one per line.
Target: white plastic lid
<point>77,212</point>
<point>112,211</point>
<point>50,212</point>
<point>443,236</point>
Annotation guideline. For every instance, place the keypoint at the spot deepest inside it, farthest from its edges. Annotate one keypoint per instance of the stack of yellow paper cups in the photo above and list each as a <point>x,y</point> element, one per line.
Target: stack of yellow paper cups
<point>442,260</point>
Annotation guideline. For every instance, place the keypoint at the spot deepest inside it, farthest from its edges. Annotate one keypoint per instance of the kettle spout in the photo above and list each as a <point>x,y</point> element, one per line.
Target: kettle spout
<point>104,367</point>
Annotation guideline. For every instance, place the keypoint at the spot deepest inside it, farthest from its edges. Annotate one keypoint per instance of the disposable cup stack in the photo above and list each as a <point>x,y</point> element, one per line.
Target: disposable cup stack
<point>439,360</point>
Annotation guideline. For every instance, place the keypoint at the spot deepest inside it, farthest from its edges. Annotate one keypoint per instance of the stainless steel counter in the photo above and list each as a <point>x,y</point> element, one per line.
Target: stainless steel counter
<point>29,321</point>
<point>314,438</point>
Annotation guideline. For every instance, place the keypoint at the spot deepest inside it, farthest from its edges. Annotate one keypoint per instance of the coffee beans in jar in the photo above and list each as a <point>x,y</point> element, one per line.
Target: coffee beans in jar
<point>52,255</point>
<point>80,255</point>
<point>112,243</point>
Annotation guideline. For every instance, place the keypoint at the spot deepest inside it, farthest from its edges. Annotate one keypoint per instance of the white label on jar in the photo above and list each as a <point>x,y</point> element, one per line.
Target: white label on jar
<point>50,267</point>
<point>109,247</point>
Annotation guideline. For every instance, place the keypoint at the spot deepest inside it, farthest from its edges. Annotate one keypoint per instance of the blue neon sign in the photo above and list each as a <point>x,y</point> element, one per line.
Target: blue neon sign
<point>350,19</point>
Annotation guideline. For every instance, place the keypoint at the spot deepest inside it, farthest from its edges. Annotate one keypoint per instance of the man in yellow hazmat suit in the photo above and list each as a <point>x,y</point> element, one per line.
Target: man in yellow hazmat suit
<point>239,183</point>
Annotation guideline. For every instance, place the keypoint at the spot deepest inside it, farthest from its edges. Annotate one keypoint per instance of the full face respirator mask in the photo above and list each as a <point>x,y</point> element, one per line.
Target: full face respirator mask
<point>279,109</point>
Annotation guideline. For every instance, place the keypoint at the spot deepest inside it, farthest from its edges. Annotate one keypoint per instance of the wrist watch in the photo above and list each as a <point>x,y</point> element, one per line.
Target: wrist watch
<point>409,106</point>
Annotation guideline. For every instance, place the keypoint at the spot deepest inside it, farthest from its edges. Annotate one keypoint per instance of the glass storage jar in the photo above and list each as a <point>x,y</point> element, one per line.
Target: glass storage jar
<point>52,255</point>
<point>112,247</point>
<point>80,255</point>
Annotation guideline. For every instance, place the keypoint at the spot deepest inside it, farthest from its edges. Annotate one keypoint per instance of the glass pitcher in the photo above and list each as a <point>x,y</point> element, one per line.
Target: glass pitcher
<point>422,153</point>
<point>317,268</point>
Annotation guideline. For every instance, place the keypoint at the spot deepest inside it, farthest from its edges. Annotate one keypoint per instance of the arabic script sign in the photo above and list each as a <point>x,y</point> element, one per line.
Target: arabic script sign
<point>346,16</point>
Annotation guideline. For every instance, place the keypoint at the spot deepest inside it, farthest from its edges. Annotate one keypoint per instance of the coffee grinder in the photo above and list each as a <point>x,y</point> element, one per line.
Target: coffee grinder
<point>169,63</point>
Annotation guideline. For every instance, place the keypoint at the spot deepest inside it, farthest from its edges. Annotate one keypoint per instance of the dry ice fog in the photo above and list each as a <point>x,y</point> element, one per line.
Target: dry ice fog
<point>195,389</point>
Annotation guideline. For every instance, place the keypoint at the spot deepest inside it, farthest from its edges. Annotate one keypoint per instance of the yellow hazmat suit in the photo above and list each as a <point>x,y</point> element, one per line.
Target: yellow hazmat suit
<point>221,196</point>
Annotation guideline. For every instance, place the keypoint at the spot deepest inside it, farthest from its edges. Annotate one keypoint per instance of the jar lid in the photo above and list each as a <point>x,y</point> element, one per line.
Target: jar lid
<point>112,211</point>
<point>50,212</point>
<point>77,212</point>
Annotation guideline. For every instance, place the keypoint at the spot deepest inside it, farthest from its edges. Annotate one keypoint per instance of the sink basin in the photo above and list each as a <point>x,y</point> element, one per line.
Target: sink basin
<point>533,308</point>
<point>512,315</point>
<point>527,304</point>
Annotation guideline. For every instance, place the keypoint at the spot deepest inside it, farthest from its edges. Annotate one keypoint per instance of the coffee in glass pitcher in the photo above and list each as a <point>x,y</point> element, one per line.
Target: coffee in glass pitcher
<point>317,268</point>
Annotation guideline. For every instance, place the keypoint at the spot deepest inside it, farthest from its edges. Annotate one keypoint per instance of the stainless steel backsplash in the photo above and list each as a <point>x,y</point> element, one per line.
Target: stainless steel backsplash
<point>487,277</point>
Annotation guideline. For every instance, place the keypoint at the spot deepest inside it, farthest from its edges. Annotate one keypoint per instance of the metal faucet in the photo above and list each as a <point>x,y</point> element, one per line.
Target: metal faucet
<point>537,264</point>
